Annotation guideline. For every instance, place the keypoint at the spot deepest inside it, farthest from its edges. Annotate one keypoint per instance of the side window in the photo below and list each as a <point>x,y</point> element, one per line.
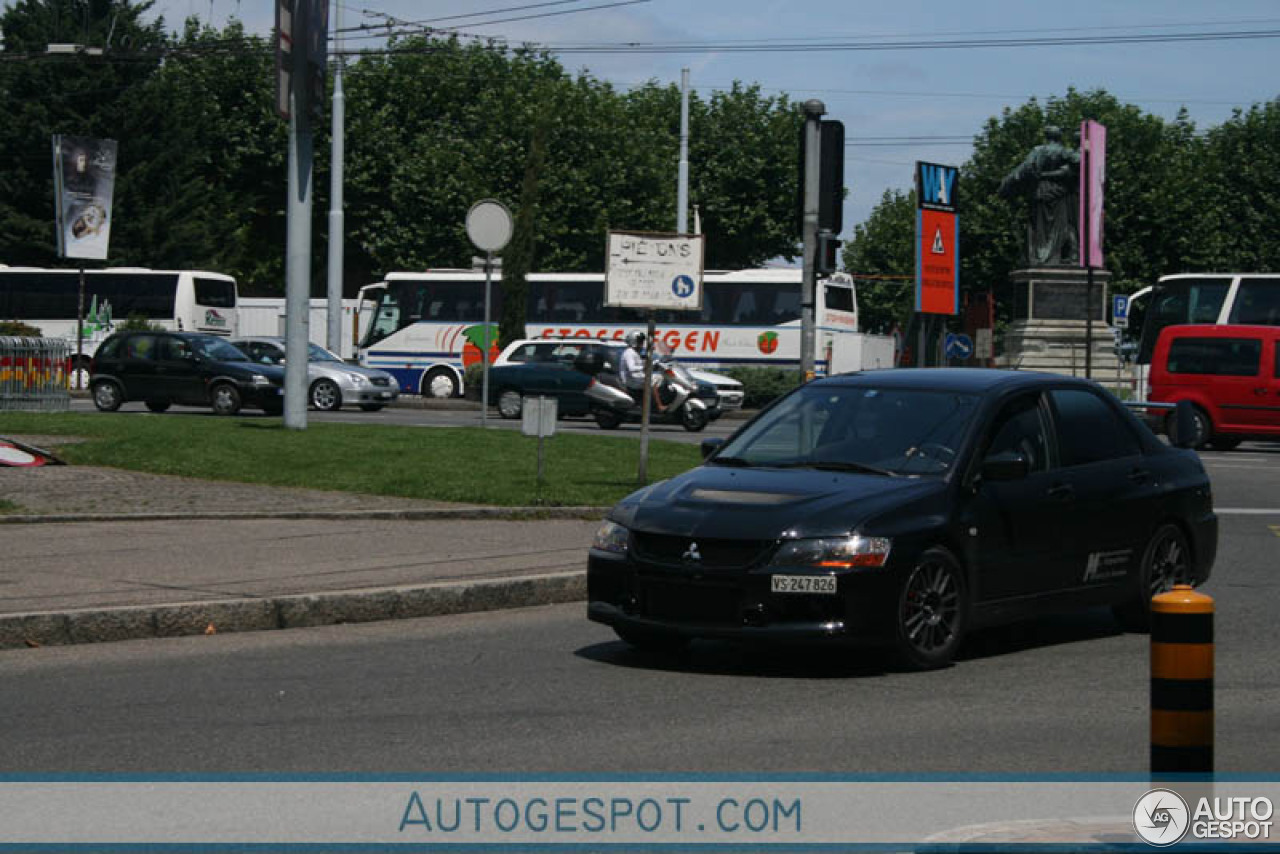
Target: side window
<point>1089,430</point>
<point>1224,357</point>
<point>172,349</point>
<point>140,347</point>
<point>110,348</point>
<point>1020,429</point>
<point>1257,302</point>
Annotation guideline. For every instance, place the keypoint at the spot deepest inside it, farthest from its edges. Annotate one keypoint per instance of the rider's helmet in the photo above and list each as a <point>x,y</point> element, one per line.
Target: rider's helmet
<point>635,340</point>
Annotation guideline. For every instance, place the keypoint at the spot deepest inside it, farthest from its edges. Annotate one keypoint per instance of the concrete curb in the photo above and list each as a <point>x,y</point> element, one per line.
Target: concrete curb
<point>426,514</point>
<point>100,625</point>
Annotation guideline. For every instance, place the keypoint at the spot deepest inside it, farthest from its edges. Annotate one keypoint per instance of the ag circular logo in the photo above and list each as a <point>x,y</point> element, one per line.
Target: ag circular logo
<point>1161,817</point>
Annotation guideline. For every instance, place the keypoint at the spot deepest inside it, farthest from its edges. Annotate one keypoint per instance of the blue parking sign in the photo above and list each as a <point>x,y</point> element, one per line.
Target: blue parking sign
<point>1120,311</point>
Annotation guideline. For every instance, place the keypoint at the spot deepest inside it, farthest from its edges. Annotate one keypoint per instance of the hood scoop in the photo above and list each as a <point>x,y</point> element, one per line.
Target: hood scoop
<point>736,496</point>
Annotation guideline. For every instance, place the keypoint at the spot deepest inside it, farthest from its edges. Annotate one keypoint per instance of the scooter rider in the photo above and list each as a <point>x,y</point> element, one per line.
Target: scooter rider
<point>631,370</point>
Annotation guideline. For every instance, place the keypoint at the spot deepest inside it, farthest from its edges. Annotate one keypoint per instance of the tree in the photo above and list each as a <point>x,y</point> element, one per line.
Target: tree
<point>43,94</point>
<point>880,255</point>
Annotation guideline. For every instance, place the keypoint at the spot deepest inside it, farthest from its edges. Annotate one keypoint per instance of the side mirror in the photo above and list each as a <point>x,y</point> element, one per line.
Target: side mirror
<point>1004,467</point>
<point>710,446</point>
<point>1184,425</point>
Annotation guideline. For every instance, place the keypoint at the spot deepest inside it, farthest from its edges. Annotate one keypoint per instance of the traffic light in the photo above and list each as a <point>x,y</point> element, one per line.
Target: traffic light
<point>828,260</point>
<point>831,177</point>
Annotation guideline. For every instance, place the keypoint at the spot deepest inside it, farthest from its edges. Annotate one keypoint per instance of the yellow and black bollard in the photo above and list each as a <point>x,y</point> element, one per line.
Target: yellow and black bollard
<point>1182,682</point>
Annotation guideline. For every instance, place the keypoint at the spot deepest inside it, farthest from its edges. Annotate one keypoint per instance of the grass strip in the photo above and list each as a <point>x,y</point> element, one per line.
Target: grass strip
<point>461,464</point>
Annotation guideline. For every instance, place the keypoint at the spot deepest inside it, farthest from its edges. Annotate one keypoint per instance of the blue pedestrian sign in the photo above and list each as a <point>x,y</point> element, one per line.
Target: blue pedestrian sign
<point>682,287</point>
<point>1120,311</point>
<point>958,345</point>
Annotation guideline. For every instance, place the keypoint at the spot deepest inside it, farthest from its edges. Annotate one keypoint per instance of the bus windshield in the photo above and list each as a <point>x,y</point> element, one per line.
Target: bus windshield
<point>1181,301</point>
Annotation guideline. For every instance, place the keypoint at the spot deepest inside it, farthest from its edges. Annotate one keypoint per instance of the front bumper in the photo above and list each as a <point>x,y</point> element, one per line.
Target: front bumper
<point>737,605</point>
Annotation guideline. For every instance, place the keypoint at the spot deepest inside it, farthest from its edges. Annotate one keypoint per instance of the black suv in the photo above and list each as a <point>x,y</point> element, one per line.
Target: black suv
<point>163,368</point>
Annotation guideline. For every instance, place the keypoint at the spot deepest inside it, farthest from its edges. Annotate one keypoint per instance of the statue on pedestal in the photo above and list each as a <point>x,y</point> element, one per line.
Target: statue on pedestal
<point>1050,178</point>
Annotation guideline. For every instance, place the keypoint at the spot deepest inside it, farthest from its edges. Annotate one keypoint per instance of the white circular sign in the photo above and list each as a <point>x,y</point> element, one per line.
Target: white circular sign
<point>489,225</point>
<point>1161,817</point>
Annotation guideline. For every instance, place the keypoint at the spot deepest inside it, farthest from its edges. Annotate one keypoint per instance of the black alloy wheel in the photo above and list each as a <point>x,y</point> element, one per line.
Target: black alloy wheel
<point>931,612</point>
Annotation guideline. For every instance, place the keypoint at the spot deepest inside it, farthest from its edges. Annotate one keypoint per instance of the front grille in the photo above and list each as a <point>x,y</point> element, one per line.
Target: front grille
<point>382,381</point>
<point>691,602</point>
<point>714,553</point>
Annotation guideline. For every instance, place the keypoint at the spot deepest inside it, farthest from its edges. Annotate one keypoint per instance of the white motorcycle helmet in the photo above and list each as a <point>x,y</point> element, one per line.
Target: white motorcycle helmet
<point>635,340</point>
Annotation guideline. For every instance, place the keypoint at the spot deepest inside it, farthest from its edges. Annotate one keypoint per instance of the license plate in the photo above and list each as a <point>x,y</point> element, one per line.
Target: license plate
<point>803,584</point>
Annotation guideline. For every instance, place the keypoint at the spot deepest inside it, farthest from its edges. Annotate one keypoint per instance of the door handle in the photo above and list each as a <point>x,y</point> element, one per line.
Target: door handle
<point>1139,475</point>
<point>1262,391</point>
<point>1062,491</point>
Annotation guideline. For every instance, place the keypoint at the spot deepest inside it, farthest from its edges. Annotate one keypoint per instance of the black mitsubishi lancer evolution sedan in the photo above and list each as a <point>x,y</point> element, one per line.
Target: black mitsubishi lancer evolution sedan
<point>905,508</point>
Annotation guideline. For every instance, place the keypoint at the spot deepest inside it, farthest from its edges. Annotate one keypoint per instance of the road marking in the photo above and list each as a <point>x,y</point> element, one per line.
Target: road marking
<point>1245,467</point>
<point>1245,511</point>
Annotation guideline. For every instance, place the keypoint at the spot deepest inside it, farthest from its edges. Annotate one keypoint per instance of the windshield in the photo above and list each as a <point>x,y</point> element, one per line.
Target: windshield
<point>316,353</point>
<point>890,430</point>
<point>1179,301</point>
<point>217,350</point>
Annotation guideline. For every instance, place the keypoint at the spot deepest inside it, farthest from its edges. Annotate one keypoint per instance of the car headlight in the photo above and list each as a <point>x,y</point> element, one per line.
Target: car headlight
<point>259,379</point>
<point>358,379</point>
<point>834,552</point>
<point>611,537</point>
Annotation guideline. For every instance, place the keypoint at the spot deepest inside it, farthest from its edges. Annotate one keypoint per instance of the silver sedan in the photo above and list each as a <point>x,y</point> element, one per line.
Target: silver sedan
<point>331,381</point>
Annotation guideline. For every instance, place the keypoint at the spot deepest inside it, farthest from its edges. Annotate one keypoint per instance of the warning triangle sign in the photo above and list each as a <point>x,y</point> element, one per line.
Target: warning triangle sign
<point>938,248</point>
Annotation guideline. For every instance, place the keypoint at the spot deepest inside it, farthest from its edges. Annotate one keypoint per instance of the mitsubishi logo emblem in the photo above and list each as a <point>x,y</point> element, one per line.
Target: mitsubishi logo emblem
<point>691,554</point>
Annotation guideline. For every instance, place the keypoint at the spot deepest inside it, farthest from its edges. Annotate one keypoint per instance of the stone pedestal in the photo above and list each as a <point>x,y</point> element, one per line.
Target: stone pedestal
<point>1048,332</point>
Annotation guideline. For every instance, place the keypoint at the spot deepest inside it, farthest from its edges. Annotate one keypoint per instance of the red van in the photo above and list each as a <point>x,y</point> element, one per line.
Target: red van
<point>1230,373</point>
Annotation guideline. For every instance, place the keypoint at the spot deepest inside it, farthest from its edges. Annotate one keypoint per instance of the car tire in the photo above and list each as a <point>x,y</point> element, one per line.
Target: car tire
<point>371,407</point>
<point>157,405</point>
<point>1202,426</point>
<point>510,403</point>
<point>1165,561</point>
<point>693,419</point>
<point>932,611</point>
<point>1221,443</point>
<point>225,399</point>
<point>107,395</point>
<point>440,383</point>
<point>654,642</point>
<point>608,420</point>
<point>326,396</point>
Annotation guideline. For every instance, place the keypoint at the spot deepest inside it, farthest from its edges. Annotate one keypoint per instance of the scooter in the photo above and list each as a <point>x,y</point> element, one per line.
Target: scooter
<point>612,404</point>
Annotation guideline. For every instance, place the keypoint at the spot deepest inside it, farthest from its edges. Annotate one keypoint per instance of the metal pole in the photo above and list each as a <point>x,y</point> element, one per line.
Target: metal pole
<point>1087,248</point>
<point>643,475</point>
<point>80,332</point>
<point>297,303</point>
<point>682,189</point>
<point>484,385</point>
<point>336,223</point>
<point>814,110</point>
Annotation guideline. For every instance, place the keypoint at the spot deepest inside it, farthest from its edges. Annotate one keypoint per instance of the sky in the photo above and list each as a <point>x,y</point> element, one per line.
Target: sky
<point>884,97</point>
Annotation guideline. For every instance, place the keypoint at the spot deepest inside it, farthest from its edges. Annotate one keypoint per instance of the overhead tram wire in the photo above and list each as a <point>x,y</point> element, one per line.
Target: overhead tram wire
<point>428,30</point>
<point>429,21</point>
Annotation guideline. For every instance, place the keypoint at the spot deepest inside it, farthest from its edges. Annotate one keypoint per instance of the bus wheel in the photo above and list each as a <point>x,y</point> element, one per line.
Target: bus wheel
<point>226,399</point>
<point>107,396</point>
<point>80,375</point>
<point>440,383</point>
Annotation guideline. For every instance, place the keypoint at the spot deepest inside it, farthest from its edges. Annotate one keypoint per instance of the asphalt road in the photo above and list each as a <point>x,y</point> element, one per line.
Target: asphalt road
<point>544,690</point>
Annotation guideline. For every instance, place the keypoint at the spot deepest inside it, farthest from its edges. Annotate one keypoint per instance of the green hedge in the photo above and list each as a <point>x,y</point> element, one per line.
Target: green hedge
<point>761,386</point>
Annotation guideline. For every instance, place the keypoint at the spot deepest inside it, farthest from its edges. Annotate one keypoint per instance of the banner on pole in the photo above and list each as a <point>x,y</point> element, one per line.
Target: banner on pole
<point>84,175</point>
<point>1093,179</point>
<point>937,239</point>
